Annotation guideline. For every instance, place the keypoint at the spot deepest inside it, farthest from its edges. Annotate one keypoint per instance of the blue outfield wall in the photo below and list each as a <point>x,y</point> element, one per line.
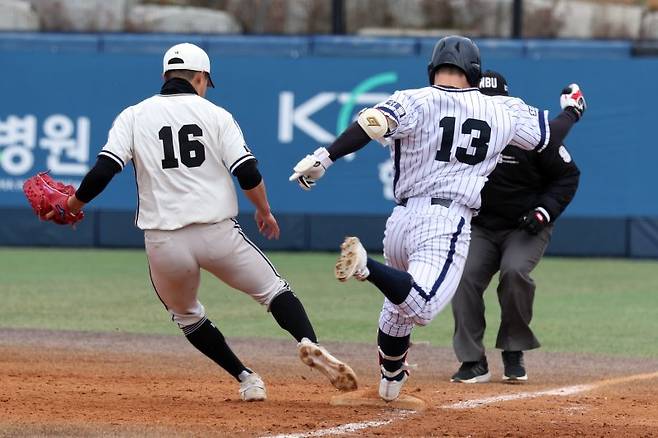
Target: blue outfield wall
<point>61,92</point>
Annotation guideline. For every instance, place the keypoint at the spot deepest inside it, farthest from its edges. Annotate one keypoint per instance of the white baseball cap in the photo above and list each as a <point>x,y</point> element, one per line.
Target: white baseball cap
<point>187,56</point>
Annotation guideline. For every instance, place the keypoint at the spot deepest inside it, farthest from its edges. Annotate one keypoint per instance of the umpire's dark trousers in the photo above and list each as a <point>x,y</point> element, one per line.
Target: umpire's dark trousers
<point>514,253</point>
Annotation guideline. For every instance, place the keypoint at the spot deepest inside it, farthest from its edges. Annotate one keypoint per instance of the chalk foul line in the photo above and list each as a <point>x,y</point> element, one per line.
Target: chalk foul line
<point>349,427</point>
<point>468,404</point>
<point>560,392</point>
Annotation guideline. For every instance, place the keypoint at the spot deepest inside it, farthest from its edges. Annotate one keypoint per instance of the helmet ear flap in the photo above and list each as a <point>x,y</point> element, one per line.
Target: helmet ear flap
<point>476,75</point>
<point>430,72</point>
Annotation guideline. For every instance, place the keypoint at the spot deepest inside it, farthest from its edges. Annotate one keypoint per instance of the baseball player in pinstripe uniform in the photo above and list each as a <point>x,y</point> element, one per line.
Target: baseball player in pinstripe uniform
<point>524,196</point>
<point>444,140</point>
<point>185,150</point>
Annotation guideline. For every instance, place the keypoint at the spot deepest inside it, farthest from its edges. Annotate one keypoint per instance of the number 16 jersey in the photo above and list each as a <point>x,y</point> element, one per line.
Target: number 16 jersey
<point>447,140</point>
<point>183,148</point>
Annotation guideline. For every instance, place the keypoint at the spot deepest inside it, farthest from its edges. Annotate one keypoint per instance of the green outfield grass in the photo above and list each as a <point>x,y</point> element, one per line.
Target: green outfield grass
<point>583,305</point>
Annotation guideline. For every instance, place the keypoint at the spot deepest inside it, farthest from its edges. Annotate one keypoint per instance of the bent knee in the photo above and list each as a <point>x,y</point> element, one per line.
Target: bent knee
<point>514,271</point>
<point>267,294</point>
<point>185,317</point>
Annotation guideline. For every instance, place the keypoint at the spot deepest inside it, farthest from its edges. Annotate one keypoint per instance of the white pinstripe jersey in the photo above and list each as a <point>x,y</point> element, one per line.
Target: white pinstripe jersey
<point>448,140</point>
<point>183,148</point>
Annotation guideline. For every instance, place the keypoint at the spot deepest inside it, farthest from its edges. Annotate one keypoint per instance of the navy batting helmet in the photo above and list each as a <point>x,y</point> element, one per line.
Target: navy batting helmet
<point>458,51</point>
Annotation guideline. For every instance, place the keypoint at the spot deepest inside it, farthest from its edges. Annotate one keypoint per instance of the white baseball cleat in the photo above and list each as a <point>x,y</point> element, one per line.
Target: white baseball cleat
<point>252,387</point>
<point>352,261</point>
<point>392,382</point>
<point>340,374</point>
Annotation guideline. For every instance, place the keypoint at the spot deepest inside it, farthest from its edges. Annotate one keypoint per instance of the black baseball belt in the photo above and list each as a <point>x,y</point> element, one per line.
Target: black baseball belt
<point>435,201</point>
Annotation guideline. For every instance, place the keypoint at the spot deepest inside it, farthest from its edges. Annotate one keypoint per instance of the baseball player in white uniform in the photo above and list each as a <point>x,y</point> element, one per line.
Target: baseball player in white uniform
<point>444,140</point>
<point>185,150</point>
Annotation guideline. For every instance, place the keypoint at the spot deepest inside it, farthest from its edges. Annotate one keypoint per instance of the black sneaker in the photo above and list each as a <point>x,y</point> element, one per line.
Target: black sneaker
<point>514,369</point>
<point>473,372</point>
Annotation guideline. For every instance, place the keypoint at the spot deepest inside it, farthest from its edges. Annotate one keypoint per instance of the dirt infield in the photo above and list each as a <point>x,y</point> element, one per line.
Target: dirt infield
<point>87,384</point>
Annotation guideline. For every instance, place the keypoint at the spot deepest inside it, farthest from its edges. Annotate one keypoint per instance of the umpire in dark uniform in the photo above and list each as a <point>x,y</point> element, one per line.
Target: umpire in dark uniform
<point>523,197</point>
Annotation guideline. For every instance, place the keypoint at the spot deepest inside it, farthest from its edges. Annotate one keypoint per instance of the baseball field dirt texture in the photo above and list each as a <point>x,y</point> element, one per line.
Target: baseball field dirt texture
<point>63,375</point>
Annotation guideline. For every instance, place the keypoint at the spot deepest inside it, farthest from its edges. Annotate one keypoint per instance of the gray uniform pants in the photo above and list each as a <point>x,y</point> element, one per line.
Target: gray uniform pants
<point>177,257</point>
<point>514,253</point>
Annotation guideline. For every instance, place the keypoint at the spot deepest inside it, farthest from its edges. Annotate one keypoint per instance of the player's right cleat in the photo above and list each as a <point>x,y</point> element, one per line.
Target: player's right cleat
<point>514,369</point>
<point>252,387</point>
<point>352,261</point>
<point>392,382</point>
<point>340,374</point>
<point>473,372</point>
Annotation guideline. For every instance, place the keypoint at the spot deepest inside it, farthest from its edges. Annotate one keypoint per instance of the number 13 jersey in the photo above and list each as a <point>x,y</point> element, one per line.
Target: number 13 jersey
<point>183,148</point>
<point>447,140</point>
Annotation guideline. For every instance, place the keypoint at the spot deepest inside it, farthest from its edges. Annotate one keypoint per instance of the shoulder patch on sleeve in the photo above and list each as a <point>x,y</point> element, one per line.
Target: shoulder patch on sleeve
<point>393,107</point>
<point>399,109</point>
<point>564,153</point>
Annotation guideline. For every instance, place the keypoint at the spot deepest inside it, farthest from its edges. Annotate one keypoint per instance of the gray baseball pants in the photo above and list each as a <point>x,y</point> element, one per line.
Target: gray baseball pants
<point>514,253</point>
<point>177,257</point>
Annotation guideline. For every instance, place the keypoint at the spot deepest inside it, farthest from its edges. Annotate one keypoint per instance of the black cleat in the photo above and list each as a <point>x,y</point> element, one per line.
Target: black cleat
<point>514,369</point>
<point>473,372</point>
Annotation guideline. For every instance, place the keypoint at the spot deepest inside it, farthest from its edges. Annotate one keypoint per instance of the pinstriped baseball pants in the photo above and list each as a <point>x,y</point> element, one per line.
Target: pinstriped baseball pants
<point>176,258</point>
<point>430,242</point>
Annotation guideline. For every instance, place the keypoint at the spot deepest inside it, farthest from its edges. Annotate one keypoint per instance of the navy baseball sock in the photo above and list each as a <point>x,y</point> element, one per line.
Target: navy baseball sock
<point>392,346</point>
<point>393,283</point>
<point>289,312</point>
<point>210,341</point>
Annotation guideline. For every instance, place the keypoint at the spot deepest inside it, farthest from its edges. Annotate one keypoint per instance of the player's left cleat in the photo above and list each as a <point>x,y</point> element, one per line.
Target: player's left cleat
<point>514,368</point>
<point>352,261</point>
<point>340,374</point>
<point>252,387</point>
<point>392,382</point>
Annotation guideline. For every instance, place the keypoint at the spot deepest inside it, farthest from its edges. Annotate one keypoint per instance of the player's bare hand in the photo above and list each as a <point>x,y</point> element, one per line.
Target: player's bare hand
<point>267,225</point>
<point>572,97</point>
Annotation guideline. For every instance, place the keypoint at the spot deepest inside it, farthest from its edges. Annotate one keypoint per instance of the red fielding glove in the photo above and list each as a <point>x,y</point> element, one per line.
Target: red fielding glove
<point>49,196</point>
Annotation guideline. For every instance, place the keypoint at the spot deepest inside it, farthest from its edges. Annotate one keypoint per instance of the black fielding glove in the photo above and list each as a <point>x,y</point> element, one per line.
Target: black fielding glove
<point>534,221</point>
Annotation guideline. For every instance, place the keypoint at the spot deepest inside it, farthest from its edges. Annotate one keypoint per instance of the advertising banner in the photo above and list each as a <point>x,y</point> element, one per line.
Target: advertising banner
<point>56,110</point>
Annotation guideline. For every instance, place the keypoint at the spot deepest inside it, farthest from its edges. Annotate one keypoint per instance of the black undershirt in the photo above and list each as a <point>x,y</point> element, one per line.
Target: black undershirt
<point>561,125</point>
<point>97,178</point>
<point>351,140</point>
<point>248,175</point>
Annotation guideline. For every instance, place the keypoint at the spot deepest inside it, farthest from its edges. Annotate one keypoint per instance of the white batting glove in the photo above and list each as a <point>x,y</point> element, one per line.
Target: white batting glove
<point>572,97</point>
<point>311,168</point>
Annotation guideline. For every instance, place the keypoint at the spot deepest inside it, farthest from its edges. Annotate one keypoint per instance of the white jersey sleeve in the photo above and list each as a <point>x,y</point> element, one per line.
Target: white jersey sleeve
<point>234,149</point>
<point>120,144</point>
<point>531,129</point>
<point>399,108</point>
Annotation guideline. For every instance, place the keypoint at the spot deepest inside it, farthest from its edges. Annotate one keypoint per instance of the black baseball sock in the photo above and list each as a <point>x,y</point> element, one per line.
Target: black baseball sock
<point>393,283</point>
<point>210,341</point>
<point>289,312</point>
<point>392,346</point>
